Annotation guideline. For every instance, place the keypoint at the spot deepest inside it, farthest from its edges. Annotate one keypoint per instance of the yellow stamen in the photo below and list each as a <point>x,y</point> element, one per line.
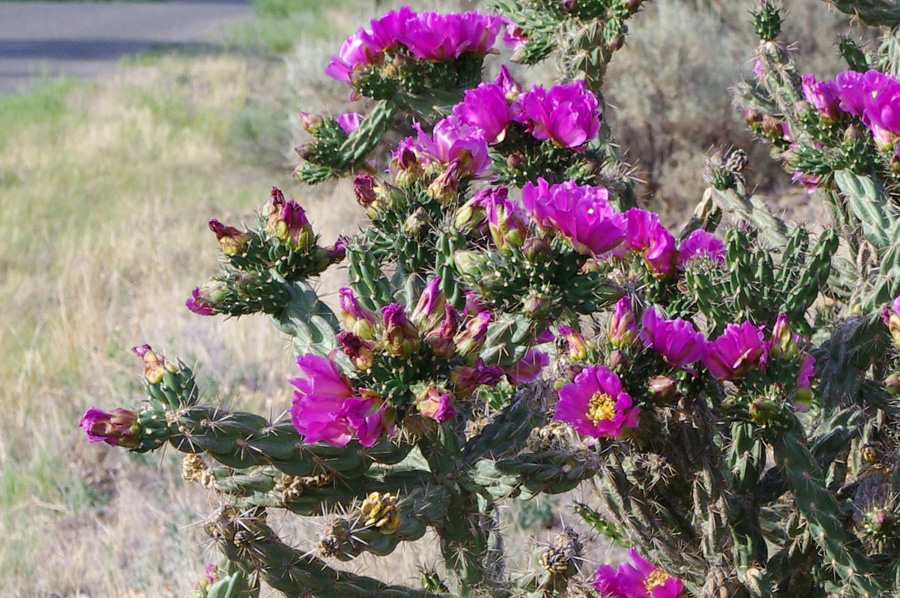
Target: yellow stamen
<point>601,407</point>
<point>656,578</point>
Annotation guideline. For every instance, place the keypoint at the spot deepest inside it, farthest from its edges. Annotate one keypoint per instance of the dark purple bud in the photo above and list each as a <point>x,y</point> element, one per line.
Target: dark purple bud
<point>119,427</point>
<point>206,299</point>
<point>360,352</point>
<point>618,360</point>
<point>304,151</point>
<point>466,379</point>
<point>337,252</point>
<point>231,239</point>
<point>364,189</point>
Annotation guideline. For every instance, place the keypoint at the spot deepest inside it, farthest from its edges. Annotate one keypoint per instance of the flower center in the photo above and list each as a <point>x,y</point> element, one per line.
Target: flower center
<point>601,407</point>
<point>656,578</point>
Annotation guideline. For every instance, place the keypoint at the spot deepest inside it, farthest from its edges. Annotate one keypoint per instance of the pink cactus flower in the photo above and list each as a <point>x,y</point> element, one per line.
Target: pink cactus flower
<point>738,349</point>
<point>676,341</point>
<point>701,244</point>
<point>581,213</point>
<point>645,235</point>
<point>328,408</point>
<point>568,114</point>
<point>596,405</point>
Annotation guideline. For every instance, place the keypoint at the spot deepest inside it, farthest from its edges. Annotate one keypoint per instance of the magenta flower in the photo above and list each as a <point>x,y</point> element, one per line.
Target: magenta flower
<point>882,116</point>
<point>606,581</point>
<point>437,36</point>
<point>644,234</point>
<point>367,47</point>
<point>641,579</point>
<point>823,95</point>
<point>454,141</point>
<point>513,36</point>
<point>119,427</point>
<point>528,368</point>
<point>435,403</point>
<point>327,408</point>
<point>596,405</point>
<point>701,244</point>
<point>622,327</point>
<point>349,121</point>
<point>581,213</point>
<point>485,108</point>
<point>568,114</point>
<point>676,341</point>
<point>735,351</point>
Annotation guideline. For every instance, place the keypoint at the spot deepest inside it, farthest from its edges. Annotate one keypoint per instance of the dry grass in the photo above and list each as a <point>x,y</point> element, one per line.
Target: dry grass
<point>105,190</point>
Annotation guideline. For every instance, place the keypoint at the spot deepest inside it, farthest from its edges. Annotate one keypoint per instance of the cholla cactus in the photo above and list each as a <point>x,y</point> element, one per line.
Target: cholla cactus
<point>728,393</point>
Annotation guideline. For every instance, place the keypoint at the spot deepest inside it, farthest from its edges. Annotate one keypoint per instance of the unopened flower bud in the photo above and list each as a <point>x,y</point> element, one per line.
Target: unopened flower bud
<point>662,388</point>
<point>206,299</point>
<point>364,189</point>
<point>232,240</point>
<point>622,328</point>
<point>430,307</point>
<point>537,250</point>
<point>784,341</point>
<point>618,360</point>
<point>154,365</point>
<point>416,223</point>
<point>337,252</point>
<point>763,411</point>
<point>537,306</point>
<point>304,151</point>
<point>578,349</point>
<point>445,187</point>
<point>892,319</point>
<point>469,216</point>
<point>119,427</point>
<point>470,263</point>
<point>802,398</point>
<point>515,161</point>
<point>400,337</point>
<point>311,122</point>
<point>471,338</point>
<point>441,339</point>
<point>892,383</point>
<point>355,318</point>
<point>572,372</point>
<point>360,352</point>
<point>466,379</point>
<point>293,228</point>
<point>435,403</point>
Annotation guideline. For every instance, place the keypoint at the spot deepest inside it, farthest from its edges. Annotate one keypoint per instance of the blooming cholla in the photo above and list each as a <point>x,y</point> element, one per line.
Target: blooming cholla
<point>637,579</point>
<point>596,405</point>
<point>676,341</point>
<point>327,407</point>
<point>738,349</point>
<point>582,214</point>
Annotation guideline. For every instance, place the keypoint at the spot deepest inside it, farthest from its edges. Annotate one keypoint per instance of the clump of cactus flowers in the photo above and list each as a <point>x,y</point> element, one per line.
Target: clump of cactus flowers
<point>725,394</point>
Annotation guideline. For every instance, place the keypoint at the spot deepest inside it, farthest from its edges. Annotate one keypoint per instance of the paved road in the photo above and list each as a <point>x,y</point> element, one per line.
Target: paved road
<point>85,39</point>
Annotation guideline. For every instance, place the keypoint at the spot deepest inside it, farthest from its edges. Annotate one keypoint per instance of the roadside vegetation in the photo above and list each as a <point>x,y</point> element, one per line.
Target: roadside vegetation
<point>105,190</point>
